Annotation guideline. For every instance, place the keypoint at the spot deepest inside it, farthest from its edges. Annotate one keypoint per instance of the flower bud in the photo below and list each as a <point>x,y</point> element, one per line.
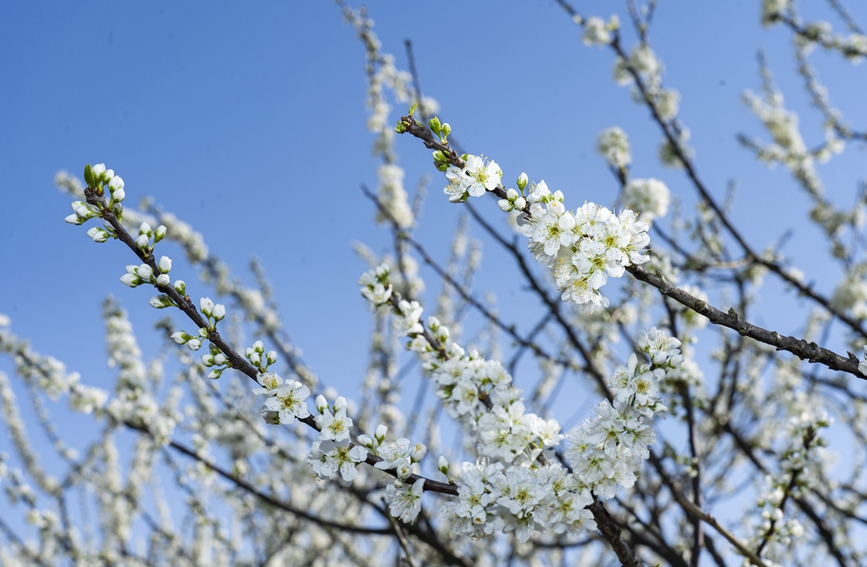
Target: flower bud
<point>439,156</point>
<point>556,208</point>
<point>180,337</point>
<point>161,301</point>
<point>321,403</point>
<point>208,360</point>
<point>194,344</point>
<point>419,452</point>
<point>259,347</point>
<point>504,205</point>
<point>215,373</point>
<point>181,287</point>
<point>118,195</point>
<point>446,129</point>
<point>381,430</point>
<point>511,194</point>
<point>434,124</point>
<point>98,234</point>
<point>142,241</point>
<point>145,228</point>
<point>219,312</point>
<point>145,272</point>
<point>108,175</point>
<point>98,171</point>
<point>159,234</point>
<point>74,219</point>
<point>255,358</point>
<point>116,184</point>
<point>443,465</point>
<point>206,305</point>
<point>522,181</point>
<point>365,441</point>
<point>340,402</point>
<point>520,203</point>
<point>165,264</point>
<point>271,357</point>
<point>130,280</point>
<point>163,280</point>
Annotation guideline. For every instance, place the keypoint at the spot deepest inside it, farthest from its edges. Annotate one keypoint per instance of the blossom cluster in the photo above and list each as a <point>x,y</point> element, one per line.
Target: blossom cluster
<point>650,196</point>
<point>585,247</point>
<point>801,463</point>
<point>513,487</point>
<point>608,449</point>
<point>613,144</point>
<point>473,180</point>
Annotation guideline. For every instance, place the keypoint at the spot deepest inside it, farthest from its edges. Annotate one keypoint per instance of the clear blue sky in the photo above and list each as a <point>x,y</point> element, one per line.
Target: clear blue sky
<point>248,123</point>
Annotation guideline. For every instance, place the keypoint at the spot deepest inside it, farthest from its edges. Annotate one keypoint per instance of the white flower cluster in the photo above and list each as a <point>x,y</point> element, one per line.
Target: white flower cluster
<point>520,500</point>
<point>98,176</point>
<point>284,401</point>
<point>852,46</point>
<point>650,196</point>
<point>801,464</point>
<point>584,247</point>
<point>50,375</point>
<point>513,488</point>
<point>473,180</point>
<point>851,293</point>
<point>596,32</point>
<point>608,450</point>
<point>788,147</point>
<point>392,196</point>
<point>613,144</point>
<point>773,10</point>
<point>375,286</point>
<point>477,392</point>
<point>134,402</point>
<point>333,451</point>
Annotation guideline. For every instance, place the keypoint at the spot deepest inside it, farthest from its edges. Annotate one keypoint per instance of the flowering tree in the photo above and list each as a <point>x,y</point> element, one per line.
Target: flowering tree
<point>265,466</point>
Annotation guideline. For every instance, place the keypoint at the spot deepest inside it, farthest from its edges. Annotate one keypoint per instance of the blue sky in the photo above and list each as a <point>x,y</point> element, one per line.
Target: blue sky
<point>249,124</point>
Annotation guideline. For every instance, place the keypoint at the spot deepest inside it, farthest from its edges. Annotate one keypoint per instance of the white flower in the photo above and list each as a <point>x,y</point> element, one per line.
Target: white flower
<point>334,426</point>
<point>165,264</point>
<point>288,401</point>
<point>394,455</point>
<point>270,381</point>
<point>405,501</point>
<point>328,457</point>
<point>408,322</point>
<point>476,178</point>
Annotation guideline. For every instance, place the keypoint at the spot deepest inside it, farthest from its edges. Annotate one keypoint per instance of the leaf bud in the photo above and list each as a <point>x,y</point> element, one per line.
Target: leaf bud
<point>89,178</point>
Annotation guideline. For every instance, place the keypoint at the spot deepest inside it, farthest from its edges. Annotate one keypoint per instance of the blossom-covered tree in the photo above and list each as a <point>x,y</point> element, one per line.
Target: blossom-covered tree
<point>241,456</point>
